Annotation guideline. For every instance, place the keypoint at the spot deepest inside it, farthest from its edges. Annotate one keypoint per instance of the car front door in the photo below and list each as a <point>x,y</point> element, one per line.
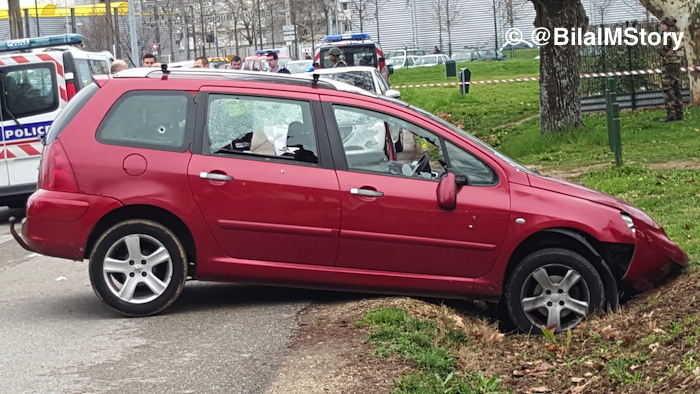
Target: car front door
<point>391,220</point>
<point>264,180</point>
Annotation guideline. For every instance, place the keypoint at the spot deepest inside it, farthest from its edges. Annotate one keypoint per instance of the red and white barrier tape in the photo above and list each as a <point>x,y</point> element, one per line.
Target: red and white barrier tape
<point>592,75</point>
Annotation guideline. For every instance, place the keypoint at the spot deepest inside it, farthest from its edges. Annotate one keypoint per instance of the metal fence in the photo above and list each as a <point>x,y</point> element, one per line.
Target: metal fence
<point>610,58</point>
<point>630,101</point>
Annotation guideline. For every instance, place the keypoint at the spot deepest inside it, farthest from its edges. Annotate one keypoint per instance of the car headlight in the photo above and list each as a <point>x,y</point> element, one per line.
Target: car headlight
<point>628,221</point>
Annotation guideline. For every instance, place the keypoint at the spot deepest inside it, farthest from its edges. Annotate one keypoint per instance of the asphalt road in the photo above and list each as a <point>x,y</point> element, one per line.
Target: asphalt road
<point>57,337</point>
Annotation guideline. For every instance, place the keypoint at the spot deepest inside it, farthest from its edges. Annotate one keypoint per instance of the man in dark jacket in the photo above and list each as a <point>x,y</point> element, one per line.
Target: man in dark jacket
<point>671,67</point>
<point>334,57</point>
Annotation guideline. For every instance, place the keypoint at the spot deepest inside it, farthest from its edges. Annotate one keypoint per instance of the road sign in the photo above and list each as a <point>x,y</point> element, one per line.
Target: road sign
<point>289,36</point>
<point>288,28</point>
<point>200,43</point>
<point>154,47</point>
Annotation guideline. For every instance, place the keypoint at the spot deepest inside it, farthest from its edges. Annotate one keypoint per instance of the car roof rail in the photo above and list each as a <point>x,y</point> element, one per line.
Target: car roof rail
<point>223,74</point>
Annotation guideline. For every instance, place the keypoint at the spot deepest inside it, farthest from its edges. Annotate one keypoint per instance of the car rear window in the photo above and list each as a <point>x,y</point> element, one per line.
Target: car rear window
<point>69,111</point>
<point>148,119</point>
<point>29,89</point>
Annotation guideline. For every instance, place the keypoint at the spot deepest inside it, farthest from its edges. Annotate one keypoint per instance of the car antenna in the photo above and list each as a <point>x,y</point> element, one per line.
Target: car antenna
<point>315,81</point>
<point>164,69</point>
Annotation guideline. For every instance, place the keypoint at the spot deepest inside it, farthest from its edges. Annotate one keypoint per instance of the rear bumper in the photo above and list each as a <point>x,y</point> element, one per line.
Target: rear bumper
<point>655,258</point>
<point>58,224</point>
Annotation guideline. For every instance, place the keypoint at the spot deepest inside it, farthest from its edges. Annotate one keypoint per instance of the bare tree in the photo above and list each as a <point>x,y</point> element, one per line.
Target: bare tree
<point>364,11</point>
<point>599,8</point>
<point>560,99</point>
<point>687,15</point>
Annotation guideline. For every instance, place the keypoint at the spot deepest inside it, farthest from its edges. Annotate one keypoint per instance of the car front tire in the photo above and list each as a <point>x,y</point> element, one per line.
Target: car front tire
<point>138,267</point>
<point>553,288</point>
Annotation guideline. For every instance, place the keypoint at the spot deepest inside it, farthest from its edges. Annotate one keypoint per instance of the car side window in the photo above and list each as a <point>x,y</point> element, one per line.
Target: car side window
<point>261,127</point>
<point>380,143</point>
<point>148,119</point>
<point>478,172</point>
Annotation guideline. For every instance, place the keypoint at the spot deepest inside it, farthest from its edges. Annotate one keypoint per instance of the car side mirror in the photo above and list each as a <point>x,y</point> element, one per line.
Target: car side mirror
<point>447,190</point>
<point>390,68</point>
<point>316,65</point>
<point>392,93</point>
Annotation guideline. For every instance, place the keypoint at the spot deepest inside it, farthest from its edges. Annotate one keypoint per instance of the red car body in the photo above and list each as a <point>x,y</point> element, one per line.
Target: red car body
<point>281,223</point>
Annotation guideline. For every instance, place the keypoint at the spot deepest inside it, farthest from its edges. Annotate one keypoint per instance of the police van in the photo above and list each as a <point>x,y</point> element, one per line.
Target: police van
<point>38,76</point>
<point>357,49</point>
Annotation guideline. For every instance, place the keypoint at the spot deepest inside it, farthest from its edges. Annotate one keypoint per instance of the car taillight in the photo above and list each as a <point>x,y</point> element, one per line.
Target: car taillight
<point>71,90</point>
<point>56,172</point>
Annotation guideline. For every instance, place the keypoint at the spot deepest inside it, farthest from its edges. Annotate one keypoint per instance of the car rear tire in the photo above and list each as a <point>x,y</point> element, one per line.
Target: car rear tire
<point>138,267</point>
<point>553,288</point>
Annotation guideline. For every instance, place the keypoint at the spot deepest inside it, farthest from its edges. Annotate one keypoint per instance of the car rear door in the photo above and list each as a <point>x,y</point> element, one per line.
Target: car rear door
<point>263,178</point>
<point>31,97</point>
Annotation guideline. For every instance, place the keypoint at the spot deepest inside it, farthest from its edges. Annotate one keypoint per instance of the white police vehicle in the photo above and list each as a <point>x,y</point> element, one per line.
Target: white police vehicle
<point>38,76</point>
<point>357,49</point>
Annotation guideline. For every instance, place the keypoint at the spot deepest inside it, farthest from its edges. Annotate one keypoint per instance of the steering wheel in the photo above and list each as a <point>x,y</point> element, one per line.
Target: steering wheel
<point>423,165</point>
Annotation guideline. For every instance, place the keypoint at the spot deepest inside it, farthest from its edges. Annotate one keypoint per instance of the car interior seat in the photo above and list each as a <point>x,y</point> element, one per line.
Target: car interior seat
<point>300,136</point>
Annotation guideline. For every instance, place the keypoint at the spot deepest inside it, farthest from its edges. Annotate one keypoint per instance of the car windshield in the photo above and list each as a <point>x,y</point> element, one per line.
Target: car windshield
<point>353,55</point>
<point>361,79</point>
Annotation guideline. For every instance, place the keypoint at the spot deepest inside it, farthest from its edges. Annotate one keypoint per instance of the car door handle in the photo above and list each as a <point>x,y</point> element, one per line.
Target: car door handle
<point>215,177</point>
<point>366,192</point>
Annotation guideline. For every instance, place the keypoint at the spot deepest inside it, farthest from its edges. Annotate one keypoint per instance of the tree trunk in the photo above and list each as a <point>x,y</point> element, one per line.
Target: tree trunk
<point>560,99</point>
<point>687,15</point>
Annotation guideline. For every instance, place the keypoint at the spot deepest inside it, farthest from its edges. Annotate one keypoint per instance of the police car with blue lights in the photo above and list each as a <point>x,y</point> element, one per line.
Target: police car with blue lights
<point>357,49</point>
<point>38,77</point>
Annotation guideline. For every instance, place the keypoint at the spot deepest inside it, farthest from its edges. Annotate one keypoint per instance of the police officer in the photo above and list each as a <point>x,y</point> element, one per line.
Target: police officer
<point>334,57</point>
<point>671,67</point>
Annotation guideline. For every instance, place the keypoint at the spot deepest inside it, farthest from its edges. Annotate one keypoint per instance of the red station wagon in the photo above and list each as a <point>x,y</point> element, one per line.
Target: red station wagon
<point>161,176</point>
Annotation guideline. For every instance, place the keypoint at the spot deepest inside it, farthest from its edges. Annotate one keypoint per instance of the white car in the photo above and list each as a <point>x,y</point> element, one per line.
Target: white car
<point>430,60</point>
<point>368,78</point>
<point>401,61</point>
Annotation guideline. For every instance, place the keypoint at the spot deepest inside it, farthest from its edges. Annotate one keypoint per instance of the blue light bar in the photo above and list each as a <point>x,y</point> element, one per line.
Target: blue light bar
<point>265,51</point>
<point>333,38</point>
<point>351,36</point>
<point>40,42</point>
<point>360,36</point>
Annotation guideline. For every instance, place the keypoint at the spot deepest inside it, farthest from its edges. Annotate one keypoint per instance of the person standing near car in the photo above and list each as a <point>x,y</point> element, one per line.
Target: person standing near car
<point>334,57</point>
<point>671,68</point>
<point>148,60</point>
<point>119,65</point>
<point>236,63</point>
<point>201,62</point>
<point>273,62</point>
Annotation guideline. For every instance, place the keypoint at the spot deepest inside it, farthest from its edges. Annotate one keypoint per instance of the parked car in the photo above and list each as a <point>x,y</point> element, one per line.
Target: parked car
<point>524,44</point>
<point>398,62</point>
<point>367,78</point>
<point>488,54</point>
<point>300,66</point>
<point>143,175</point>
<point>430,60</point>
<point>408,52</point>
<point>463,56</point>
<point>258,62</point>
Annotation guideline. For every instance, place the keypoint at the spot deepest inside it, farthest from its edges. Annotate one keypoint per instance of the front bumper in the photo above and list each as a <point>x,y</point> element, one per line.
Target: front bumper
<point>58,224</point>
<point>655,258</point>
